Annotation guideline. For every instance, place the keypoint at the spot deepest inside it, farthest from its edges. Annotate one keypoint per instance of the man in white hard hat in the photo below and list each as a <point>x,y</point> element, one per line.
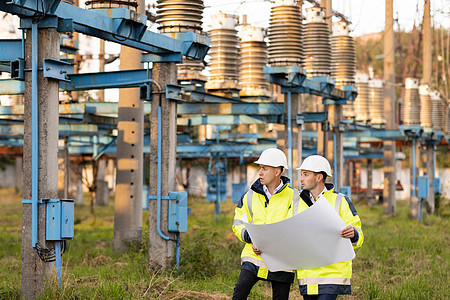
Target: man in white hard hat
<point>267,201</point>
<point>326,283</point>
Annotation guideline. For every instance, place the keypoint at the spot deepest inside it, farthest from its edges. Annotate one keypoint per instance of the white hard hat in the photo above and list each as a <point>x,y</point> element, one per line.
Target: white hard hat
<point>272,157</point>
<point>316,163</point>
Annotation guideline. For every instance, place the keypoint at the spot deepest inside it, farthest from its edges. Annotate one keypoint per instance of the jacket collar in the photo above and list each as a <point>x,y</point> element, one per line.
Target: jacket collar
<point>304,194</point>
<point>258,187</point>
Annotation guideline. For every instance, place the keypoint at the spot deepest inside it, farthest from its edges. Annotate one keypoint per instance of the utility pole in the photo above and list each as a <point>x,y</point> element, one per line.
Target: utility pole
<point>101,67</point>
<point>322,128</point>
<point>35,271</point>
<point>130,151</point>
<point>335,115</point>
<point>426,78</point>
<point>161,249</point>
<point>389,203</point>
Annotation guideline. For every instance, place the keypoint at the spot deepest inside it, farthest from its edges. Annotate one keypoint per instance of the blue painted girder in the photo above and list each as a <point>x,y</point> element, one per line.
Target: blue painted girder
<point>118,30</point>
<point>11,49</point>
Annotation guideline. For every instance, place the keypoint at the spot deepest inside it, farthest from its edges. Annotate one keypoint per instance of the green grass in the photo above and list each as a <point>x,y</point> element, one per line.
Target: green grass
<point>400,259</point>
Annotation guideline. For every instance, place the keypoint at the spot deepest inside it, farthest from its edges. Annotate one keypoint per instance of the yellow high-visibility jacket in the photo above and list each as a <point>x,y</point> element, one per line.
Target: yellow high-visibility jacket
<point>334,278</point>
<point>254,207</point>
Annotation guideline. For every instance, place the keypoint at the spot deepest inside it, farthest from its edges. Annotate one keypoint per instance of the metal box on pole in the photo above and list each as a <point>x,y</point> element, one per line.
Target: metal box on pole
<point>60,219</point>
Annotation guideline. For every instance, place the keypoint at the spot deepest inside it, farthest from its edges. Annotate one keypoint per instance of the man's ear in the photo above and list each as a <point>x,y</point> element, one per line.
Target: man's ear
<point>321,179</point>
<point>278,172</point>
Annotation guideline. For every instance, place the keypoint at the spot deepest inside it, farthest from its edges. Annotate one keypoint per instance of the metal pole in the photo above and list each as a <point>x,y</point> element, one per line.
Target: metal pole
<point>427,69</point>
<point>58,262</point>
<point>158,192</point>
<point>389,108</point>
<point>34,134</point>
<point>290,136</point>
<point>335,162</point>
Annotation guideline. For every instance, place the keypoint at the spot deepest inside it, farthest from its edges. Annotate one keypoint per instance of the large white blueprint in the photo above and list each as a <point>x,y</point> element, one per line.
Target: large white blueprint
<point>310,239</point>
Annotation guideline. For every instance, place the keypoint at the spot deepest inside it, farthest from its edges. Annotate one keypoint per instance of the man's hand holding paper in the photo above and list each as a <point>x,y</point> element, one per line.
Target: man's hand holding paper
<point>310,239</point>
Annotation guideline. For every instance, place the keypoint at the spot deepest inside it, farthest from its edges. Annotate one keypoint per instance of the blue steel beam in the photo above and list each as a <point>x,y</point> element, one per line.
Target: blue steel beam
<point>185,108</point>
<point>247,108</point>
<point>206,97</point>
<point>379,134</point>
<point>11,87</point>
<point>228,120</point>
<point>64,130</point>
<point>106,80</point>
<point>11,49</point>
<point>120,30</point>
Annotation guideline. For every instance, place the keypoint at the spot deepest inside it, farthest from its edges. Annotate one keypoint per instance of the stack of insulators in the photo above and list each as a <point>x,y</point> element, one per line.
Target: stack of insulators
<point>376,101</point>
<point>285,34</point>
<point>411,102</point>
<point>425,107</point>
<point>224,52</point>
<point>253,60</point>
<point>437,108</point>
<point>102,4</point>
<point>179,15</point>
<point>361,103</point>
<point>317,44</point>
<point>343,63</point>
<point>183,16</point>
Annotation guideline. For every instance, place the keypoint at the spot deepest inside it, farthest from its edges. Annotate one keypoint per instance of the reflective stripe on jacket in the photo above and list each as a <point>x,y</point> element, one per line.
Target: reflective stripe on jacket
<point>335,278</point>
<point>254,207</point>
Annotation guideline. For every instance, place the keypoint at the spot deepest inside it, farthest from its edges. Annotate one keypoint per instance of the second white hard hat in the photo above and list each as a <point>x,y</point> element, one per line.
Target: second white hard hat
<point>272,157</point>
<point>316,163</point>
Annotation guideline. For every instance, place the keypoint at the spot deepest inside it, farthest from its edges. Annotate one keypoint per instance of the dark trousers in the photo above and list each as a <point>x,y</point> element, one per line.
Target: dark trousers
<point>320,297</point>
<point>246,280</point>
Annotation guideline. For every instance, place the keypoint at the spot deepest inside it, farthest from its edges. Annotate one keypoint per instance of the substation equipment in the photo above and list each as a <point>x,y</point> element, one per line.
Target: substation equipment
<point>300,58</point>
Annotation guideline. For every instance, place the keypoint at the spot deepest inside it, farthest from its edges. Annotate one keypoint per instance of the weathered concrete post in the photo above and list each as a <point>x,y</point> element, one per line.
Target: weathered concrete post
<point>426,78</point>
<point>34,270</point>
<point>130,152</point>
<point>389,201</point>
<point>161,250</point>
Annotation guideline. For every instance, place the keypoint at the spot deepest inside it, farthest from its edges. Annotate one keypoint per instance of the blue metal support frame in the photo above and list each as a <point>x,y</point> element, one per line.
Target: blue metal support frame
<point>11,49</point>
<point>230,120</point>
<point>58,262</point>
<point>289,116</point>
<point>11,87</point>
<point>120,30</point>
<point>34,135</point>
<point>414,178</point>
<point>158,192</point>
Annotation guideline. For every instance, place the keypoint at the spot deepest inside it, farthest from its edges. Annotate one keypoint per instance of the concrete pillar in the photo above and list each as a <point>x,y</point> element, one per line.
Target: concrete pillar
<point>336,143</point>
<point>348,173</point>
<point>430,173</point>
<point>389,201</point>
<point>426,78</point>
<point>370,196</point>
<point>414,205</point>
<point>19,170</point>
<point>129,176</point>
<point>101,55</point>
<point>283,137</point>
<point>75,189</point>
<point>102,190</point>
<point>130,153</point>
<point>161,251</point>
<point>63,173</point>
<point>34,270</point>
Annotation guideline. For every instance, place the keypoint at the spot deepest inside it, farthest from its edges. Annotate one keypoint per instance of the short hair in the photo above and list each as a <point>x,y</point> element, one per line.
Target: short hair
<point>324,175</point>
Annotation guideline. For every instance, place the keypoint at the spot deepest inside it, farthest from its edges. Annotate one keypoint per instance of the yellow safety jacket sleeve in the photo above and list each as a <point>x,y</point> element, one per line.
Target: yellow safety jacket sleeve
<point>241,213</point>
<point>350,216</point>
<point>254,207</point>
<point>334,278</point>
